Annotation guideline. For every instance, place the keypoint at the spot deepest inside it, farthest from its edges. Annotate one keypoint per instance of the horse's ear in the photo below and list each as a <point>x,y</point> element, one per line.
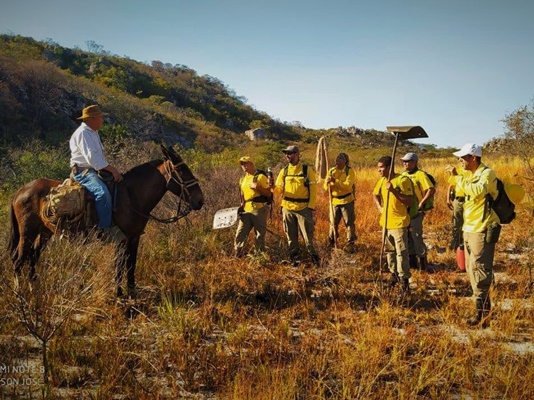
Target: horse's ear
<point>165,152</point>
<point>170,154</point>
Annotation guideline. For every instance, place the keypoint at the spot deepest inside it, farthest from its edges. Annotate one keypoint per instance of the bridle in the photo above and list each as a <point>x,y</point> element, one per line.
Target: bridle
<point>172,175</point>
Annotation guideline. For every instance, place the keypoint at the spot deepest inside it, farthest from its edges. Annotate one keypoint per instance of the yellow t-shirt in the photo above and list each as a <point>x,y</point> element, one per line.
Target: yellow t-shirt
<point>295,195</point>
<point>421,183</point>
<point>397,212</point>
<point>342,188</point>
<point>249,194</point>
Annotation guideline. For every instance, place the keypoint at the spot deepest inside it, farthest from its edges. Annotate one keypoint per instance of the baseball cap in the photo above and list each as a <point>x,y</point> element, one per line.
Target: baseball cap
<point>291,149</point>
<point>469,149</point>
<point>245,159</point>
<point>410,157</point>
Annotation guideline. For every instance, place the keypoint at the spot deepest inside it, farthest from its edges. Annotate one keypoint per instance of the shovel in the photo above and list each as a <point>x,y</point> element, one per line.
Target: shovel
<point>225,218</point>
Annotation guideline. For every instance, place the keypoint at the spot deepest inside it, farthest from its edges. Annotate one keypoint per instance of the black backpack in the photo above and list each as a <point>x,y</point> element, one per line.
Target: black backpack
<point>502,205</point>
<point>261,198</point>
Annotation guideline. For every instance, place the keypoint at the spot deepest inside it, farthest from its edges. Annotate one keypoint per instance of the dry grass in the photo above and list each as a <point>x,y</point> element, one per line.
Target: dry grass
<point>206,325</point>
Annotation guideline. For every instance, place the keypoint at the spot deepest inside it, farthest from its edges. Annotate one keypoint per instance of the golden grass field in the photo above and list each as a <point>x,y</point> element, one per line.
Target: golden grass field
<point>208,326</point>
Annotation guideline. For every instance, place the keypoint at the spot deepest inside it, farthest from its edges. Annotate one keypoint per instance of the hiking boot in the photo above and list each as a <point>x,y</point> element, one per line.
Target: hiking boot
<point>350,248</point>
<point>481,317</point>
<point>393,280</point>
<point>423,264</point>
<point>405,285</point>
<point>413,261</point>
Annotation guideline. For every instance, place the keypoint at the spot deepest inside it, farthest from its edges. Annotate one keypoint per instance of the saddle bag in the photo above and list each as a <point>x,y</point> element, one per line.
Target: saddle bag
<point>66,201</point>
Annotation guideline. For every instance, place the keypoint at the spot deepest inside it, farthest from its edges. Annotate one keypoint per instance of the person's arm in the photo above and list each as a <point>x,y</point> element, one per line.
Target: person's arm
<point>262,186</point>
<point>117,176</point>
<point>378,202</point>
<point>428,194</point>
<point>405,198</point>
<point>450,199</point>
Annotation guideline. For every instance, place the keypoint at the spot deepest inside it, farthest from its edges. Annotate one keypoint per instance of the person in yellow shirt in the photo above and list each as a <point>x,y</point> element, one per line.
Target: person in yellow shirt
<point>340,181</point>
<point>255,193</point>
<point>423,191</point>
<point>481,227</point>
<point>393,197</point>
<point>297,185</point>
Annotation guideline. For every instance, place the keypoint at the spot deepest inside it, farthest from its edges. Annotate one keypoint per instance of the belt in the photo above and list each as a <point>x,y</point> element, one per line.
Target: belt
<point>342,196</point>
<point>291,199</point>
<point>76,170</point>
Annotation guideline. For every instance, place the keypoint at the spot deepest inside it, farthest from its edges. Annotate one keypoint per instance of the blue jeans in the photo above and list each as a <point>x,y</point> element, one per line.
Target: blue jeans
<point>100,192</point>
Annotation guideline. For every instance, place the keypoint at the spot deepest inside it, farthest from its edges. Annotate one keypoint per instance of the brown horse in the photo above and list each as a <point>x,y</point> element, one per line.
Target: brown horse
<point>140,191</point>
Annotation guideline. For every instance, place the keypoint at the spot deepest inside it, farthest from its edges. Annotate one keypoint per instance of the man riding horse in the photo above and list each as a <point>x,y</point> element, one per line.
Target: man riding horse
<point>87,159</point>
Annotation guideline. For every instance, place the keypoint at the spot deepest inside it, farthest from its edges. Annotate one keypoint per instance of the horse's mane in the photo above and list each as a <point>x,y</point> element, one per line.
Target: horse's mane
<point>142,169</point>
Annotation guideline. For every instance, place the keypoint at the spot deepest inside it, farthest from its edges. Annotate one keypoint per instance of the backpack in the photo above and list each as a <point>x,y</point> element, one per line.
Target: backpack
<point>502,205</point>
<point>429,205</point>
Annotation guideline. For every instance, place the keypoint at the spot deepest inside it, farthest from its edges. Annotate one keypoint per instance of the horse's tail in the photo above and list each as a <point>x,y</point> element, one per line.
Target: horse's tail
<point>14,236</point>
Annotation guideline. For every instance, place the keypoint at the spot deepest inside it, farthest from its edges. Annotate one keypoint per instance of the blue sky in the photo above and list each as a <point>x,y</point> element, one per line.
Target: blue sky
<point>455,67</point>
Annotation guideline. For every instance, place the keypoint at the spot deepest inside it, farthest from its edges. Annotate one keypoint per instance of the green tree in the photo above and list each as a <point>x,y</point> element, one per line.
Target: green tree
<point>519,129</point>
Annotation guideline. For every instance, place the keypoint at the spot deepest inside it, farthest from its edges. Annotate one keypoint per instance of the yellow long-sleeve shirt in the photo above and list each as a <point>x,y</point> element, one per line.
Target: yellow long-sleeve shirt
<point>342,187</point>
<point>476,185</point>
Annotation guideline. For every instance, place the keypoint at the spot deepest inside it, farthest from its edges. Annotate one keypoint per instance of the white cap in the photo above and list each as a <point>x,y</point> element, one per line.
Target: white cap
<point>469,149</point>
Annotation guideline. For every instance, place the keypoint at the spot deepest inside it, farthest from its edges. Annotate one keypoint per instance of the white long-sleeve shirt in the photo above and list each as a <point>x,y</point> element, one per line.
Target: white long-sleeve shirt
<point>86,148</point>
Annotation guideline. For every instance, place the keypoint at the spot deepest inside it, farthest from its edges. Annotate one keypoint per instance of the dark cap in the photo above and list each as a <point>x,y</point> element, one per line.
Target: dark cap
<point>291,149</point>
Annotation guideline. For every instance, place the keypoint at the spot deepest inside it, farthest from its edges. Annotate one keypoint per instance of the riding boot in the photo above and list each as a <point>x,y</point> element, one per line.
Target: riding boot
<point>413,261</point>
<point>423,263</point>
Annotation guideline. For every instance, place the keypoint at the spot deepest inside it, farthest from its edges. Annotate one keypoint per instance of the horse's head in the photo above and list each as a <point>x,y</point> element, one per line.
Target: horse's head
<point>181,180</point>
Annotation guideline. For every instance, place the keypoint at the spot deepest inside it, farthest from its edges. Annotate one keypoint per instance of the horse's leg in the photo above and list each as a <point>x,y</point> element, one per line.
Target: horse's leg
<point>25,254</point>
<point>35,252</point>
<point>131,261</point>
<point>121,256</point>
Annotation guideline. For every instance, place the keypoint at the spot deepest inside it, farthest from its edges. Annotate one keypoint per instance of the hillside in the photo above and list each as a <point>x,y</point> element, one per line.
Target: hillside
<point>43,87</point>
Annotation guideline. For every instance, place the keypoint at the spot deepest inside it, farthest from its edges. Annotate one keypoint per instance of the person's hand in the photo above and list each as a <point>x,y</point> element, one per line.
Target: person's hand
<point>451,170</point>
<point>253,185</point>
<point>117,176</point>
<point>330,179</point>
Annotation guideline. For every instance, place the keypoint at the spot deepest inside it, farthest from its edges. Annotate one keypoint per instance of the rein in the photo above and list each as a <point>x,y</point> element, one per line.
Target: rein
<point>170,168</point>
